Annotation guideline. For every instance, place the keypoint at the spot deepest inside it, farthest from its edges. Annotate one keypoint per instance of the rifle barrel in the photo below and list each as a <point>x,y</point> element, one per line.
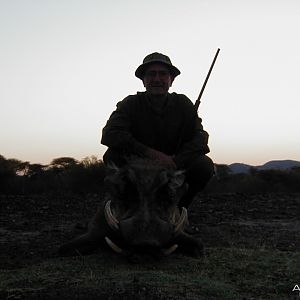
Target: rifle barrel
<point>197,103</point>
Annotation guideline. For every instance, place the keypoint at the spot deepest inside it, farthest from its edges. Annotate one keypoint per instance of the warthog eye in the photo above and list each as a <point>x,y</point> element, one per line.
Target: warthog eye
<point>165,195</point>
<point>119,186</point>
<point>130,190</point>
<point>172,189</point>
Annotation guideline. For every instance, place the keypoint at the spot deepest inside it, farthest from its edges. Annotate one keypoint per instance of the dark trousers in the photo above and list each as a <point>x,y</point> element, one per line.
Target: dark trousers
<point>199,170</point>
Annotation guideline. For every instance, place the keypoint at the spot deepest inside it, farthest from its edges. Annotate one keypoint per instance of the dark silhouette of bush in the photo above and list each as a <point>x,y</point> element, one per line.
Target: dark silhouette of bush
<point>62,175</point>
<point>255,181</point>
<point>9,179</point>
<point>66,175</point>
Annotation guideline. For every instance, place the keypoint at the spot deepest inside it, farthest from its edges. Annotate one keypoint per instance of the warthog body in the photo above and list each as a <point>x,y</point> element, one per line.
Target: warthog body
<point>139,214</point>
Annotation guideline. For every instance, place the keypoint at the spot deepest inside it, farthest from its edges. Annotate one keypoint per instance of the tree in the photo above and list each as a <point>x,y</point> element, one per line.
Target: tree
<point>63,163</point>
<point>34,170</point>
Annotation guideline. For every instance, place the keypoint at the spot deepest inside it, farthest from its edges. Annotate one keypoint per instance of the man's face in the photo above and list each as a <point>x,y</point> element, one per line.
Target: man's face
<point>157,79</point>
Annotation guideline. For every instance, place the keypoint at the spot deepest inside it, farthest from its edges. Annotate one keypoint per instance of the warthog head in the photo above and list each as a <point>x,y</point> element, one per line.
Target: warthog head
<point>142,207</point>
<point>140,214</point>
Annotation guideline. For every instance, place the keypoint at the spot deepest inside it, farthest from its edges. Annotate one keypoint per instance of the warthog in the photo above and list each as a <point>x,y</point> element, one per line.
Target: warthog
<point>139,214</point>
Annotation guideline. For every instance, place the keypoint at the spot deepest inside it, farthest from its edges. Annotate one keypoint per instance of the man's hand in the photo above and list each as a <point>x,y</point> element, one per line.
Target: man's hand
<point>161,157</point>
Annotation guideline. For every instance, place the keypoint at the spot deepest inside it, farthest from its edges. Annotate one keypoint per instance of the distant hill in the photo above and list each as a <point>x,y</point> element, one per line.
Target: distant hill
<point>271,165</point>
<point>239,168</point>
<point>280,165</point>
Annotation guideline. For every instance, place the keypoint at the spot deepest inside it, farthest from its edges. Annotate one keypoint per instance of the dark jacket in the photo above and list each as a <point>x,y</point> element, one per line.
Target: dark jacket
<point>136,125</point>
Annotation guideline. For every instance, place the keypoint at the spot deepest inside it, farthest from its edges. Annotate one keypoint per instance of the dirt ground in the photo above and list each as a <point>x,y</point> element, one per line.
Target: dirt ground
<point>33,227</point>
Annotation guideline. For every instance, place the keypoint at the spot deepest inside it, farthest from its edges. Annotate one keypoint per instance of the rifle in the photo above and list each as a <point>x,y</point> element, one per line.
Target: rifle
<point>197,103</point>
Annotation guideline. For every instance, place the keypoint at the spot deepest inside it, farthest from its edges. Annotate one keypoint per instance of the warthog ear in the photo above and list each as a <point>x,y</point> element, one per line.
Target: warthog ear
<point>112,173</point>
<point>111,167</point>
<point>177,180</point>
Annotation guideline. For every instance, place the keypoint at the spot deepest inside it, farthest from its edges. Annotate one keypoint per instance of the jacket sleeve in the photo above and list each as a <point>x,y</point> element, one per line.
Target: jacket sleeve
<point>117,131</point>
<point>194,143</point>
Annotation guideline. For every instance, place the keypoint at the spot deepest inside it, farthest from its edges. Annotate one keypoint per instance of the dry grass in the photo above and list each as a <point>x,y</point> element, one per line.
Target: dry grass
<point>222,274</point>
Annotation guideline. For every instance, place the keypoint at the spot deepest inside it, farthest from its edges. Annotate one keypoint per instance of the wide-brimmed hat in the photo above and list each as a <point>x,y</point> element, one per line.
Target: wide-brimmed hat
<point>156,58</point>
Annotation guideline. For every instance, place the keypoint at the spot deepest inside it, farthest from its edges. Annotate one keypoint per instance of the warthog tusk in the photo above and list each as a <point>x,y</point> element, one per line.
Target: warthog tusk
<point>173,218</point>
<point>112,245</point>
<point>171,249</point>
<point>182,220</point>
<point>109,217</point>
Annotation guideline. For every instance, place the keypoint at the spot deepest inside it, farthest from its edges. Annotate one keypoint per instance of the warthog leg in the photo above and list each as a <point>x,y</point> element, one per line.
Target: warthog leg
<point>189,245</point>
<point>84,244</point>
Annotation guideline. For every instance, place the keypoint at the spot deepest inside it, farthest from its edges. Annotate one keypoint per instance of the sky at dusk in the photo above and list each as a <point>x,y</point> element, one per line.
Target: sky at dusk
<point>64,64</point>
